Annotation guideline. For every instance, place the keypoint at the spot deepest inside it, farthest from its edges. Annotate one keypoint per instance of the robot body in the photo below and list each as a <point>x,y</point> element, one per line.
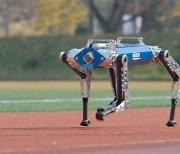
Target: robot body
<point>115,56</point>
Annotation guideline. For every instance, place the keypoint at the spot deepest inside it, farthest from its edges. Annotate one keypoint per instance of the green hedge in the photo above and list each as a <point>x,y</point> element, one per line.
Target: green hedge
<point>37,58</point>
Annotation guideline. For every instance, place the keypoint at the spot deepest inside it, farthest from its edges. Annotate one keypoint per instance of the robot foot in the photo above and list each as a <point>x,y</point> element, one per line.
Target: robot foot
<point>171,123</point>
<point>85,123</point>
<point>102,112</point>
<point>100,115</point>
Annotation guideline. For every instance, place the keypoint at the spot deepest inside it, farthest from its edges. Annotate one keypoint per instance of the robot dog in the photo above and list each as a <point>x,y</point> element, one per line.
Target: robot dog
<point>116,56</point>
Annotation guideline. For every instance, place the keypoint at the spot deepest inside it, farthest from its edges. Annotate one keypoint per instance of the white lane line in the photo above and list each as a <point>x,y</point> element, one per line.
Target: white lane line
<point>86,146</point>
<point>121,144</point>
<point>77,100</point>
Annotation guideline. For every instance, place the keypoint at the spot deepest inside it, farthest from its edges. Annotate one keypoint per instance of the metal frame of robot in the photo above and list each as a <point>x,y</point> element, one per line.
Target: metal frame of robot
<point>116,56</point>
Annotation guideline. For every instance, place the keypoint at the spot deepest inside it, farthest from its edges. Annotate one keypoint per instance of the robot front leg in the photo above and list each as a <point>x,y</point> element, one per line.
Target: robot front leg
<point>85,88</point>
<point>119,81</point>
<point>85,91</point>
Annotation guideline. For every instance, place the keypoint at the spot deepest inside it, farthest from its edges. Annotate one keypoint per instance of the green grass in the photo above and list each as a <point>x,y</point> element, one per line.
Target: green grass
<point>58,93</point>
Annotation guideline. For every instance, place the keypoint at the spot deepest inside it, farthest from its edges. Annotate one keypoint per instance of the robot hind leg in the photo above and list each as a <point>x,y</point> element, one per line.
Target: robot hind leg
<point>171,66</point>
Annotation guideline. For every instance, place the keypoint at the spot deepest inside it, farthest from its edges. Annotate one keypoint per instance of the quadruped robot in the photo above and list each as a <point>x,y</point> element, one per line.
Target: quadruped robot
<point>116,56</point>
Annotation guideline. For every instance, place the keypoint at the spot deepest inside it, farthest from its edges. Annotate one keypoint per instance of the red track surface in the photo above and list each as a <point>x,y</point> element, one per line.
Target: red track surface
<point>132,131</point>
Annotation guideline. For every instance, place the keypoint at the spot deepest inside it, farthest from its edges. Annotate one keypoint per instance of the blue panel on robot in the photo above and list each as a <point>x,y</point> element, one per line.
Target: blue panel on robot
<point>99,58</point>
<point>140,54</point>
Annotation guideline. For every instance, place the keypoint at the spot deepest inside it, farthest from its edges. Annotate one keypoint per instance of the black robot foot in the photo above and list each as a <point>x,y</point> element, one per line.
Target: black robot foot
<point>171,123</point>
<point>100,115</point>
<point>85,123</point>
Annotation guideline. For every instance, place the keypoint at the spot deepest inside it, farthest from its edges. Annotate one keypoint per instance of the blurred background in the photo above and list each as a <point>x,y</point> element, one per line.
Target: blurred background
<point>33,32</point>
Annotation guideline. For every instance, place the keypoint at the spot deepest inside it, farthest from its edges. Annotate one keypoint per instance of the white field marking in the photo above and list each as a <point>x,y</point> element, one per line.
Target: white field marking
<point>120,144</point>
<point>78,100</point>
<point>85,146</point>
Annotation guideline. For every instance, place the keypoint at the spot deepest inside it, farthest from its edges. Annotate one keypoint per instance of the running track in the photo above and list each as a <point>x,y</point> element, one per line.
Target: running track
<point>134,131</point>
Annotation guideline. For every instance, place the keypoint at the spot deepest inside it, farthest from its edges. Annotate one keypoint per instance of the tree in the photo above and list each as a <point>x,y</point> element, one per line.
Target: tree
<point>150,15</point>
<point>60,15</point>
<point>113,21</point>
<point>156,14</point>
<point>15,11</point>
<point>176,17</point>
